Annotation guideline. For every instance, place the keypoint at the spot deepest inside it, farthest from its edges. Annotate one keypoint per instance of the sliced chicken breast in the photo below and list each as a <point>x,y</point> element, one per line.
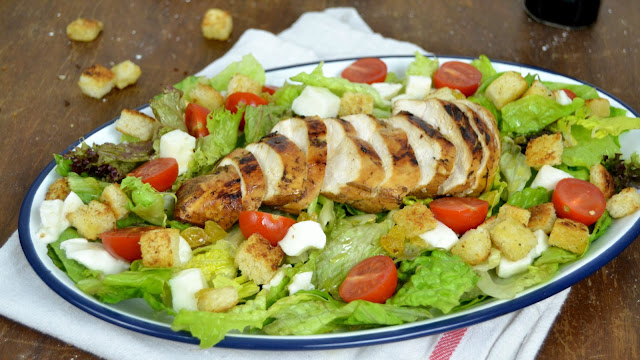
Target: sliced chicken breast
<point>252,181</point>
<point>284,167</point>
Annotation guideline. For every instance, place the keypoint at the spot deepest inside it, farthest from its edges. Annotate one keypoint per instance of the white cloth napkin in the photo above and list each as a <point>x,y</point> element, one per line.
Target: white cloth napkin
<point>333,33</point>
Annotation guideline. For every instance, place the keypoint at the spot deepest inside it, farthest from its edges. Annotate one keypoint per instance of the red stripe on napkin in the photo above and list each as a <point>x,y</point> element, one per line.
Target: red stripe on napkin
<point>447,344</point>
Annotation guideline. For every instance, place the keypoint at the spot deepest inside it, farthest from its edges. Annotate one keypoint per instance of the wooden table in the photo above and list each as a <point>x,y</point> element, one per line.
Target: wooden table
<point>42,109</point>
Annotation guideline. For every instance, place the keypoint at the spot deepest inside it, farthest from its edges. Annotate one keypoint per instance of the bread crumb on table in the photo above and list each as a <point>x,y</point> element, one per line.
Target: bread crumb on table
<point>85,30</point>
<point>217,24</point>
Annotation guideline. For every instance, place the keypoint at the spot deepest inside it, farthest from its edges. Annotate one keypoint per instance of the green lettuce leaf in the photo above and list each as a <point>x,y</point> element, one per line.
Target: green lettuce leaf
<point>422,66</point>
<point>529,197</point>
<point>508,288</point>
<point>626,173</point>
<point>188,84</point>
<point>483,64</point>
<point>533,113</point>
<point>146,202</point>
<point>285,94</point>
<point>601,127</point>
<point>513,166</point>
<point>589,150</point>
<point>168,108</point>
<point>259,120</point>
<point>87,188</point>
<point>214,260</point>
<point>583,91</point>
<point>248,66</point>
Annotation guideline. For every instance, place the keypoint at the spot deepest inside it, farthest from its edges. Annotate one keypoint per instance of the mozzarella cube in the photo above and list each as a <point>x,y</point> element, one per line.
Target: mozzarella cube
<point>442,237</point>
<point>277,278</point>
<point>303,236</point>
<point>543,243</point>
<point>508,268</point>
<point>562,98</point>
<point>418,86</point>
<point>184,287</point>
<point>548,177</point>
<point>316,101</point>
<point>93,255</point>
<point>184,251</point>
<point>179,145</point>
<point>53,216</point>
<point>301,281</point>
<point>387,90</point>
<point>629,143</point>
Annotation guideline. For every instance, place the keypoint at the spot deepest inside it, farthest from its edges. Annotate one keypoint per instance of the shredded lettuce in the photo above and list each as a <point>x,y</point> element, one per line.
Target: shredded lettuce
<point>248,66</point>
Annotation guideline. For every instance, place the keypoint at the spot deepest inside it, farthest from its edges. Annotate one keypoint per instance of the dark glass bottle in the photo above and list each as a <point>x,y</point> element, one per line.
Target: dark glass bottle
<point>564,13</point>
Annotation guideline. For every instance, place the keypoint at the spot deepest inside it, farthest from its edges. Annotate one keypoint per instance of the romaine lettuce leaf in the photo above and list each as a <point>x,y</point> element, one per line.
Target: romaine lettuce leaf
<point>483,64</point>
<point>529,197</point>
<point>285,94</point>
<point>168,108</point>
<point>248,66</point>
<point>214,260</point>
<point>87,188</point>
<point>508,288</point>
<point>601,127</point>
<point>146,201</point>
<point>583,91</point>
<point>589,150</point>
<point>259,120</point>
<point>188,84</point>
<point>422,66</point>
<point>533,113</point>
<point>513,166</point>
<point>76,271</point>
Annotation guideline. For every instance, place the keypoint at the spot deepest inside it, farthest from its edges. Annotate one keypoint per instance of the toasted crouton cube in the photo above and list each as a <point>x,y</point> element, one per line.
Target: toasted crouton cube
<point>217,24</point>
<point>256,258</point>
<point>599,107</point>
<point>543,217</point>
<point>92,219</point>
<point>569,235</point>
<point>513,212</point>
<point>445,93</point>
<point>473,247</point>
<point>415,219</point>
<point>513,239</point>
<point>116,199</point>
<point>160,247</point>
<point>127,73</point>
<point>207,96</point>
<point>59,189</point>
<point>538,88</point>
<point>136,124</point>
<point>506,88</point>
<point>623,203</point>
<point>602,179</point>
<point>243,83</point>
<point>96,81</point>
<point>355,103</point>
<point>489,223</point>
<point>544,150</point>
<point>85,30</point>
<point>217,300</point>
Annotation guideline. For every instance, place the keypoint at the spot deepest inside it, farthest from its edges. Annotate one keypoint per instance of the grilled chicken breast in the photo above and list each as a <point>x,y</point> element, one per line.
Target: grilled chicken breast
<point>252,182</point>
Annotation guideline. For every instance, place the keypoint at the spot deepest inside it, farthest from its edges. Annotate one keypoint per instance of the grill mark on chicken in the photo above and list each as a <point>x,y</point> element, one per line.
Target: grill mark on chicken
<point>462,121</point>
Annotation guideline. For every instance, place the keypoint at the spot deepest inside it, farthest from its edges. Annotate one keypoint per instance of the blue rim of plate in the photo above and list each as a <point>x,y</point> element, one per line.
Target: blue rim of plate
<point>316,342</point>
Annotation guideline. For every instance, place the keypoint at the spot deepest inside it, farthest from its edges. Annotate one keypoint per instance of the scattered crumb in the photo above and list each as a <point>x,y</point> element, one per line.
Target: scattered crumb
<point>82,29</point>
<point>62,77</point>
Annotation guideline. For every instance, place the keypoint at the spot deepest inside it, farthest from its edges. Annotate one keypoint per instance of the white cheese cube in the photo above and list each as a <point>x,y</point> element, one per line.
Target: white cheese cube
<point>548,177</point>
<point>543,243</point>
<point>418,86</point>
<point>53,216</point>
<point>277,278</point>
<point>184,251</point>
<point>303,236</point>
<point>629,143</point>
<point>442,237</point>
<point>562,98</point>
<point>184,287</point>
<point>508,268</point>
<point>387,90</point>
<point>316,101</point>
<point>301,281</point>
<point>179,145</point>
<point>93,255</point>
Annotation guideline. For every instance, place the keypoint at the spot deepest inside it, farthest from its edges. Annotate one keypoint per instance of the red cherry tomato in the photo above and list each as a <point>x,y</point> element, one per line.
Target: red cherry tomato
<point>368,70</point>
<point>160,173</point>
<point>233,101</point>
<point>125,243</point>
<point>578,200</point>
<point>269,89</point>
<point>195,117</point>
<point>458,75</point>
<point>271,227</point>
<point>460,213</point>
<point>374,279</point>
<point>570,93</point>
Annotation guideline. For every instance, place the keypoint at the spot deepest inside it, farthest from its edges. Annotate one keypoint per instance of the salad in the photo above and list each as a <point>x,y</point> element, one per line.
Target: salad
<point>109,223</point>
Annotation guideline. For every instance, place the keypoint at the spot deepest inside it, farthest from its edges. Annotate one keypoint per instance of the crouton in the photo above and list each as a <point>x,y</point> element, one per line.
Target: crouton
<point>59,189</point>
<point>217,300</point>
<point>543,217</point>
<point>544,150</point>
<point>257,259</point>
<point>136,124</point>
<point>217,24</point>
<point>96,81</point>
<point>243,83</point>
<point>602,179</point>
<point>513,212</point>
<point>473,247</point>
<point>207,96</point>
<point>447,94</point>
<point>393,241</point>
<point>127,73</point>
<point>489,223</point>
<point>513,239</point>
<point>599,107</point>
<point>92,219</point>
<point>160,247</point>
<point>355,103</point>
<point>506,88</point>
<point>116,199</point>
<point>538,88</point>
<point>415,219</point>
<point>85,30</point>
<point>569,235</point>
<point>623,203</point>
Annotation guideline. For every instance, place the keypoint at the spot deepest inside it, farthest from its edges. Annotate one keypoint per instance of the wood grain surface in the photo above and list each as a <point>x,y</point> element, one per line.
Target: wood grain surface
<point>42,110</point>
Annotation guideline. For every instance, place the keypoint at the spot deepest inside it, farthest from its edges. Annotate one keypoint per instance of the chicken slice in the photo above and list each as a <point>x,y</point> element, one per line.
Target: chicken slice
<point>252,181</point>
<point>310,135</point>
<point>453,123</point>
<point>216,196</point>
<point>434,153</point>
<point>284,167</point>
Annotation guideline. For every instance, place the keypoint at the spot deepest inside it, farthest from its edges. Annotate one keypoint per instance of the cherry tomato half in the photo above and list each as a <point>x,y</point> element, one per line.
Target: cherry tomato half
<point>570,93</point>
<point>368,70</point>
<point>578,200</point>
<point>271,227</point>
<point>458,75</point>
<point>373,279</point>
<point>195,117</point>
<point>160,173</point>
<point>269,89</point>
<point>460,213</point>
<point>233,101</point>
<point>125,243</point>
